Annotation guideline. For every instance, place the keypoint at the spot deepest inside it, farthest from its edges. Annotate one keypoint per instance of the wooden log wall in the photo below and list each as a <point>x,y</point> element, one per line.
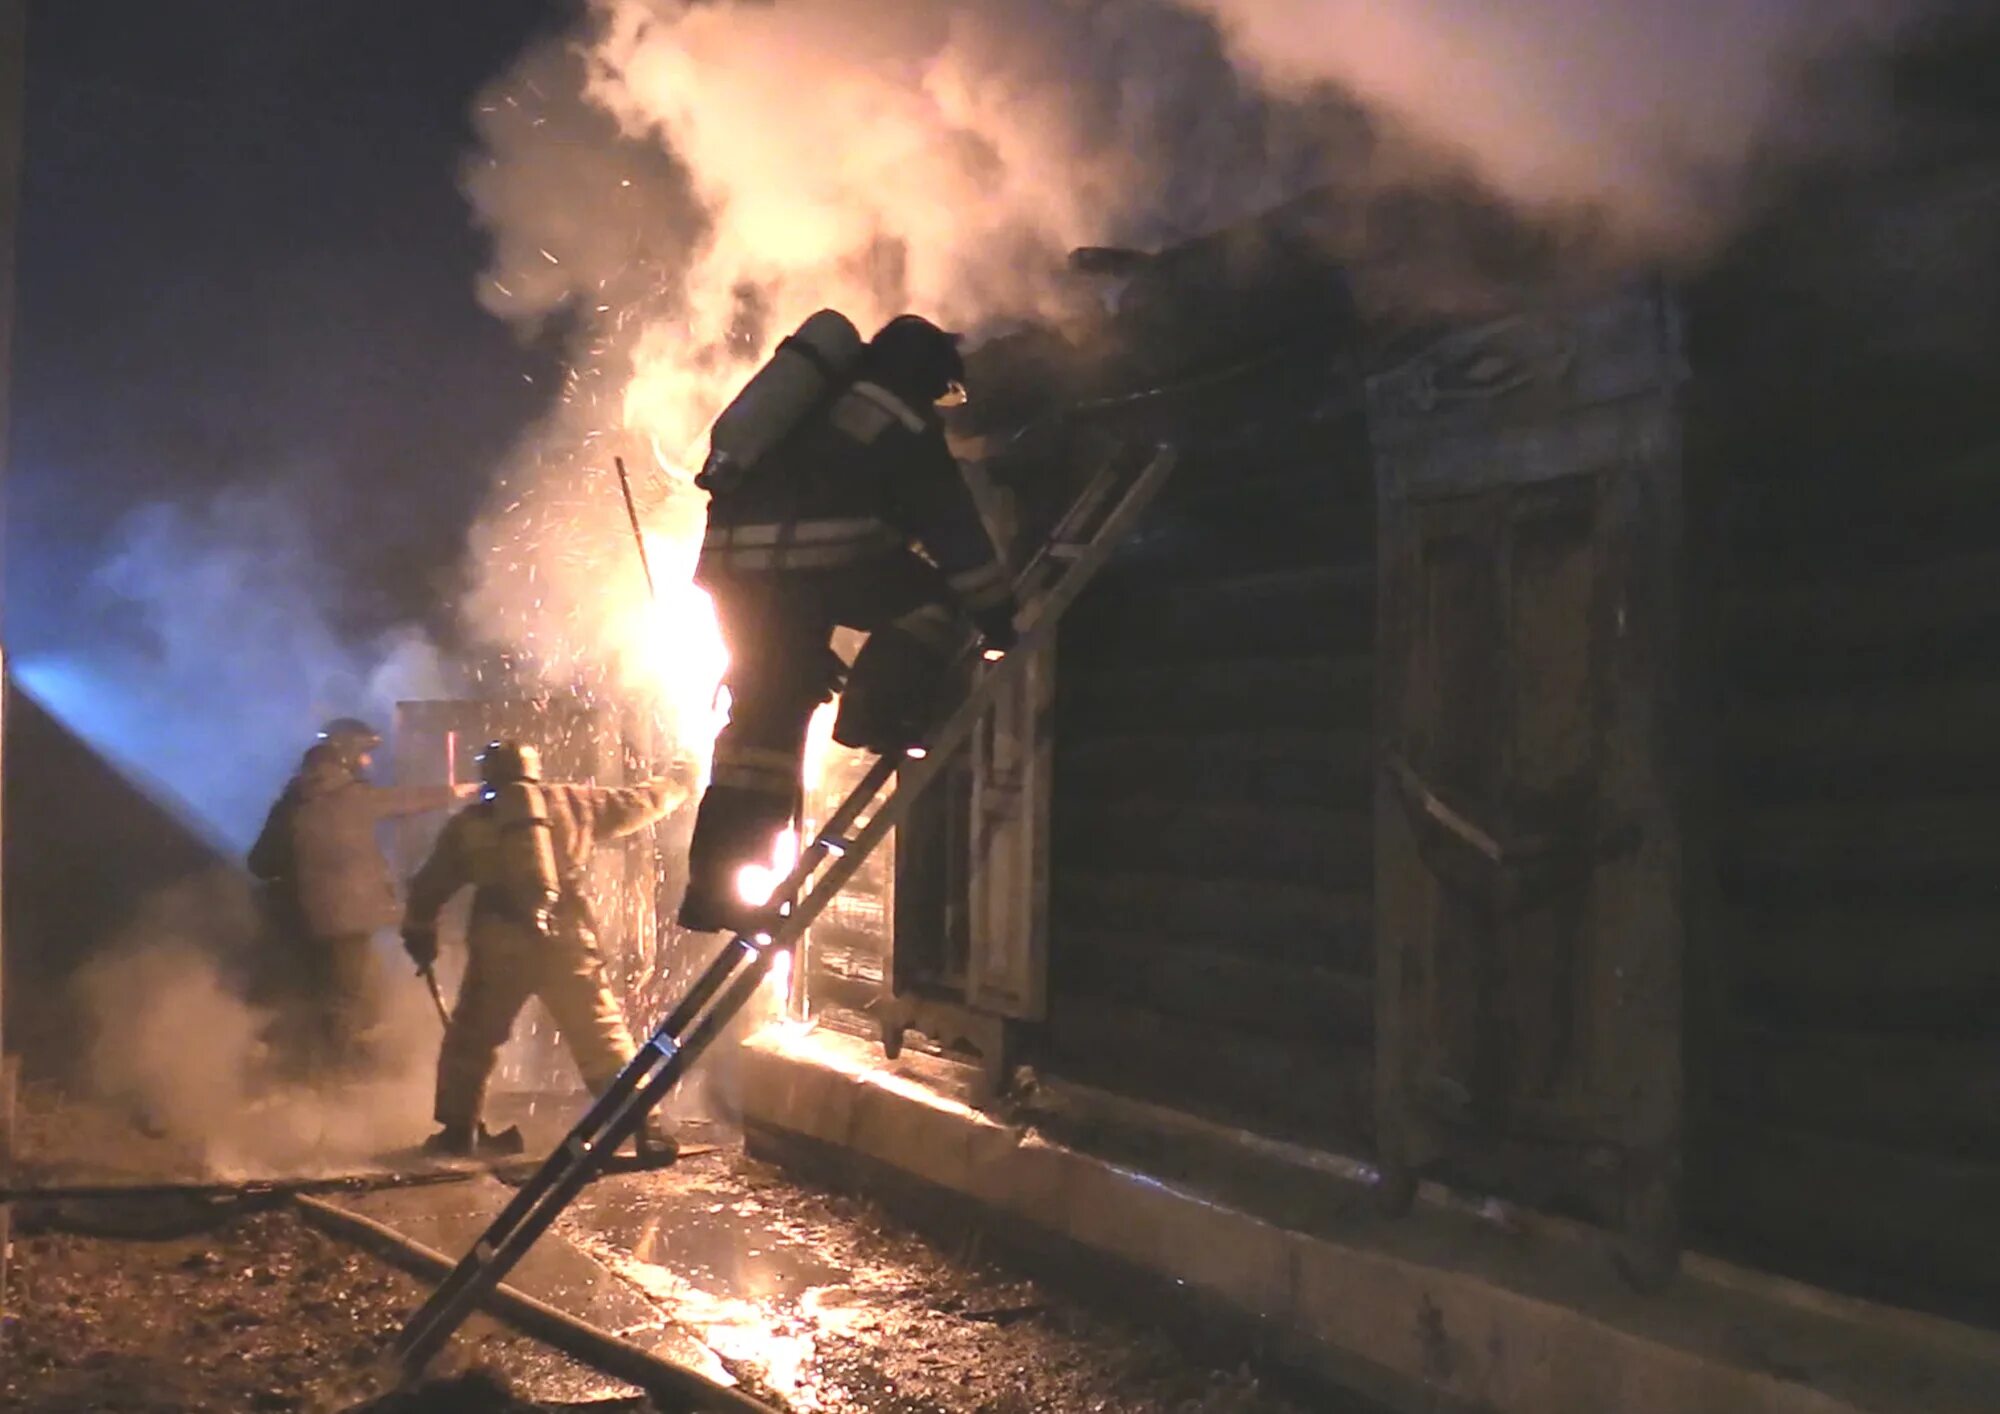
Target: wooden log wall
<point>1210,942</point>
<point>1848,1109</point>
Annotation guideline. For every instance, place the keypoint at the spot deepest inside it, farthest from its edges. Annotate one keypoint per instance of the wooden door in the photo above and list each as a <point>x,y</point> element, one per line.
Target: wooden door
<point>1528,831</point>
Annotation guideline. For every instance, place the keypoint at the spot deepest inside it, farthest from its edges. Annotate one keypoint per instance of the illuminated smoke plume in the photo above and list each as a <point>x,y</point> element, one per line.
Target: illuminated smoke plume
<point>678,184</point>
<point>174,1040</point>
<point>231,656</point>
<point>682,184</point>
<point>1649,114</point>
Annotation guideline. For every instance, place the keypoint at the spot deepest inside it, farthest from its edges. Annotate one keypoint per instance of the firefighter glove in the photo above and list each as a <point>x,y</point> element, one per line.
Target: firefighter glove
<point>422,946</point>
<point>542,917</point>
<point>683,771</point>
<point>996,627</point>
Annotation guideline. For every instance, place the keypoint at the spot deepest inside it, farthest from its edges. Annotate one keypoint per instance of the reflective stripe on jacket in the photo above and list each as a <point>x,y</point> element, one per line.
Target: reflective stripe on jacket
<point>468,851</point>
<point>866,475</point>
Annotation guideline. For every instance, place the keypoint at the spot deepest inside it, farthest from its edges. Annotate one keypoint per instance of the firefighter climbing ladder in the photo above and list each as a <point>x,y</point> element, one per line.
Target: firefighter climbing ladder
<point>1077,548</point>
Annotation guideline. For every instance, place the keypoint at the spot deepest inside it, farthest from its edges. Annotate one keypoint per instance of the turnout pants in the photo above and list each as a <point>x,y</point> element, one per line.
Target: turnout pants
<point>322,987</point>
<point>508,965</point>
<point>778,627</point>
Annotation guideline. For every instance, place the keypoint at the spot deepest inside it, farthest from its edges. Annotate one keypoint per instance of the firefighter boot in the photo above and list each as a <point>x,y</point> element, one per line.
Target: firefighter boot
<point>734,828</point>
<point>462,1141</point>
<point>892,694</point>
<point>454,1141</point>
<point>654,1141</point>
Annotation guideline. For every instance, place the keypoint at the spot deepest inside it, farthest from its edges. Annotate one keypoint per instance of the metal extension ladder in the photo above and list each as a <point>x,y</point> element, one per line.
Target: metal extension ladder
<point>1075,550</point>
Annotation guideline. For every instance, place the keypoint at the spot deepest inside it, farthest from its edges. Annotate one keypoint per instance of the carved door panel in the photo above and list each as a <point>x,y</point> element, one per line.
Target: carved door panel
<point>1528,890</point>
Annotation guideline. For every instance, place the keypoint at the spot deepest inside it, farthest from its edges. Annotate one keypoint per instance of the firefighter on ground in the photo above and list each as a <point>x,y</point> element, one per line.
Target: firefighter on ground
<point>816,534</point>
<point>522,848</point>
<point>329,890</point>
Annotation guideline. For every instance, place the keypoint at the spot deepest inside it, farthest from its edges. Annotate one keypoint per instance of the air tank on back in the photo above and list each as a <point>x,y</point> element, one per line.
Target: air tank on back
<point>809,363</point>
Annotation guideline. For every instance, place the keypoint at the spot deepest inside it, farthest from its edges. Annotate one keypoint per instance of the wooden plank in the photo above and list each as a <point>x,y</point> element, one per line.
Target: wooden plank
<point>1910,1229</point>
<point>1236,536</point>
<point>1907,843</point>
<point>1284,843</point>
<point>1895,739</point>
<point>868,963</point>
<point>1252,692</point>
<point>854,994</point>
<point>1858,622</point>
<point>832,934</point>
<point>1332,767</point>
<point>1319,609</point>
<point>1190,982</point>
<point>1289,464</point>
<point>1240,1078</point>
<point>1883,967</point>
<point>1840,522</point>
<point>1331,927</point>
<point>1921,1093</point>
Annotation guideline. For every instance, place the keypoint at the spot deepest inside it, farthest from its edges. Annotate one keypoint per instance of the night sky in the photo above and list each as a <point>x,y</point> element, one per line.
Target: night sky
<point>244,260</point>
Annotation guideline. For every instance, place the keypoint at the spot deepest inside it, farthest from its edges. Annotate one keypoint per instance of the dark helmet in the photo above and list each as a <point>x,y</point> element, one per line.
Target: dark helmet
<point>504,762</point>
<point>912,356</point>
<point>352,738</point>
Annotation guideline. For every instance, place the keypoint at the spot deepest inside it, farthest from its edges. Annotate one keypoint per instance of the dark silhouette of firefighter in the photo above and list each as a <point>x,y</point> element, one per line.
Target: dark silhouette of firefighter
<point>328,891</point>
<point>824,472</point>
<point>522,847</point>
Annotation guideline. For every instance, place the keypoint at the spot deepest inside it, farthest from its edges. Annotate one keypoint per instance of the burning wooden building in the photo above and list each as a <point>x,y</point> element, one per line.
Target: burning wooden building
<point>1536,749</point>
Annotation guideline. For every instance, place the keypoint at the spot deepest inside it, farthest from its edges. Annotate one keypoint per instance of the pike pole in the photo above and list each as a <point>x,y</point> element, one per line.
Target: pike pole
<point>638,537</point>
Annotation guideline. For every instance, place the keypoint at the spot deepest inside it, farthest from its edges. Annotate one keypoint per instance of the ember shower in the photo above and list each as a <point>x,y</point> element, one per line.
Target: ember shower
<point>679,184</point>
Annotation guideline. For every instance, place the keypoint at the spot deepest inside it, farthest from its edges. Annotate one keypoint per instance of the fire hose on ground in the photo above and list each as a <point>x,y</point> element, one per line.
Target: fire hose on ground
<point>675,1386</point>
<point>106,1211</point>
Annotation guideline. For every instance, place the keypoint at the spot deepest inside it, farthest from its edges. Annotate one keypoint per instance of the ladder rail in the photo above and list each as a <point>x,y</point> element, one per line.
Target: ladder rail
<point>913,778</point>
<point>733,976</point>
<point>1044,612</point>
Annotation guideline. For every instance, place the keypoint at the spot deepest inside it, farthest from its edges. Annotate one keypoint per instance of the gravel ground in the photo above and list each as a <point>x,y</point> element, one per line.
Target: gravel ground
<point>815,1301</point>
<point>260,1313</point>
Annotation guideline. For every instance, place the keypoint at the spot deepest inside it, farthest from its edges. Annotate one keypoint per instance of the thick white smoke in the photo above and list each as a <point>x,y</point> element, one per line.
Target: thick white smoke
<point>684,183</point>
<point>1650,115</point>
<point>680,183</point>
<point>176,1041</point>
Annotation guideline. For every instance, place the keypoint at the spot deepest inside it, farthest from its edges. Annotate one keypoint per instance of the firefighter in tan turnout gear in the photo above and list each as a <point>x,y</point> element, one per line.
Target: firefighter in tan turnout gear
<point>522,848</point>
<point>823,473</point>
<point>328,890</point>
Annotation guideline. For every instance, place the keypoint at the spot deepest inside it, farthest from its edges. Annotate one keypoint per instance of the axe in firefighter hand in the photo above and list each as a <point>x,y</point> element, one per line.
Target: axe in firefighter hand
<point>421,944</point>
<point>429,974</point>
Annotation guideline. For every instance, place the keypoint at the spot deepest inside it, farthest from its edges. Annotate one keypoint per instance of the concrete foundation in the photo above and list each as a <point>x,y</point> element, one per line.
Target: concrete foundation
<point>1456,1307</point>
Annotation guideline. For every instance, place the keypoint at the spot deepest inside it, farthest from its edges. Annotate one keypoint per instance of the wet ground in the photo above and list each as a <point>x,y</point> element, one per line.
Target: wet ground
<point>817,1302</point>
<point>809,1300</point>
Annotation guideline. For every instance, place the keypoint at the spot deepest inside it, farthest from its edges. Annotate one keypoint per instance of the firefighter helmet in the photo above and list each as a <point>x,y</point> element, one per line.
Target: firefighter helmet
<point>505,762</point>
<point>912,356</point>
<point>352,738</point>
